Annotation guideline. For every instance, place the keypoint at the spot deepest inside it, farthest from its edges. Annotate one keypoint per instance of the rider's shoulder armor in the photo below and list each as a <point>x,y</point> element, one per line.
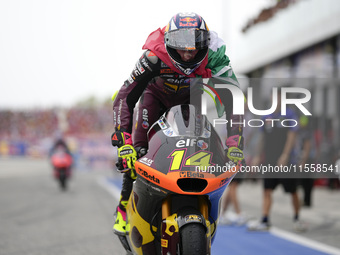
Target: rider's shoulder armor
<point>147,67</point>
<point>151,57</point>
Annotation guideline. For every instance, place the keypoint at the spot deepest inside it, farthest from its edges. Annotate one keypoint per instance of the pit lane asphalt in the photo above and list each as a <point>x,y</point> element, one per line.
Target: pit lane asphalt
<point>36,217</point>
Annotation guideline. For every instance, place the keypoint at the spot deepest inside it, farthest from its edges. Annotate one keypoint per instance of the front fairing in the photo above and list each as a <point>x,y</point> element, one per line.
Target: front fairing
<point>185,155</point>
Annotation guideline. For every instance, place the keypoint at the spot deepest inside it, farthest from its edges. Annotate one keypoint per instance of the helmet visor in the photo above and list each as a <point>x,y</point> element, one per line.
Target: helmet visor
<point>187,39</point>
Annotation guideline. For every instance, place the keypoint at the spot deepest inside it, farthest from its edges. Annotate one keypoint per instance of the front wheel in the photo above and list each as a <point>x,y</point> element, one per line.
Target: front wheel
<point>193,239</point>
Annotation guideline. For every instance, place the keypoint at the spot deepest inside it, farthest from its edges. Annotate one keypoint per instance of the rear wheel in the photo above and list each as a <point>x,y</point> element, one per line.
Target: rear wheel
<point>193,239</point>
<point>62,181</point>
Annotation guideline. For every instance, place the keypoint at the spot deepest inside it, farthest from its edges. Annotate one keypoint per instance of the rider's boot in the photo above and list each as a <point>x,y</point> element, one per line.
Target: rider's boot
<point>120,227</point>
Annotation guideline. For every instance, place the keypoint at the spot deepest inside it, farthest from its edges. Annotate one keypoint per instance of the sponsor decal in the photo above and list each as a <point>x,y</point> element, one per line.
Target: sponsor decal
<point>137,71</point>
<point>131,78</point>
<point>188,22</point>
<point>224,182</point>
<point>145,124</point>
<point>186,142</point>
<point>145,116</point>
<point>162,124</point>
<point>206,133</point>
<point>148,177</point>
<point>125,152</point>
<point>140,68</point>
<point>146,161</point>
<point>164,243</point>
<point>202,144</point>
<point>168,132</point>
<point>191,24</point>
<point>143,61</point>
<point>189,174</point>
<point>167,70</point>
<point>114,119</point>
<point>193,218</point>
<point>119,111</point>
<point>187,19</point>
<point>180,81</point>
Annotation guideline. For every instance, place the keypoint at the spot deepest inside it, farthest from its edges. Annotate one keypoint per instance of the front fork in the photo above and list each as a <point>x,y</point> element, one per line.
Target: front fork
<point>171,223</point>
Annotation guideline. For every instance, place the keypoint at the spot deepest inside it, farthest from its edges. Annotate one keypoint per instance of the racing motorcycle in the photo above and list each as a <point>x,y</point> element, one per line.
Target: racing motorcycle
<point>61,162</point>
<point>174,204</point>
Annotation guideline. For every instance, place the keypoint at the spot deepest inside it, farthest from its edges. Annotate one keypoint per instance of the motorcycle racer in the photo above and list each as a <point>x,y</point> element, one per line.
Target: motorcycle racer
<point>182,50</point>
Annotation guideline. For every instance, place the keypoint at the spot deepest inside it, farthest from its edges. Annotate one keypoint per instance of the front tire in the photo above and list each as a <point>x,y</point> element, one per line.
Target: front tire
<point>193,239</point>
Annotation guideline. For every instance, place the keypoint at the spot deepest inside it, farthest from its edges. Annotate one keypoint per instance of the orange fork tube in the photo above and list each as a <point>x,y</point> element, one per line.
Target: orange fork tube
<point>166,206</point>
<point>203,207</point>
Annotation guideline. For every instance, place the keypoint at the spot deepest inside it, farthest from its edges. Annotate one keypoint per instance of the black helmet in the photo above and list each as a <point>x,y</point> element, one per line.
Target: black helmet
<point>187,31</point>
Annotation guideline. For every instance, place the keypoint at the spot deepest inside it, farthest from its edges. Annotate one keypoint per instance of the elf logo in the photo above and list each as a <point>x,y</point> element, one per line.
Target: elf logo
<point>186,142</point>
<point>145,116</point>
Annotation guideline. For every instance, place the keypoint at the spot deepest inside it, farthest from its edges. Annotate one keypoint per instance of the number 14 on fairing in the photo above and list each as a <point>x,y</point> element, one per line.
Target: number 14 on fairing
<point>200,158</point>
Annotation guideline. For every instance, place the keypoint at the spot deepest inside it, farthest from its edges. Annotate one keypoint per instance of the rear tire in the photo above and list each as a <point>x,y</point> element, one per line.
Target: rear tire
<point>62,181</point>
<point>193,239</point>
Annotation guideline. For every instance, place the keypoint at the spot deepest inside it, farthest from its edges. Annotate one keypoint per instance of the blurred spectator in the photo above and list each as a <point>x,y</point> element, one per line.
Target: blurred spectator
<point>29,132</point>
<point>277,142</point>
<point>231,197</point>
<point>305,154</point>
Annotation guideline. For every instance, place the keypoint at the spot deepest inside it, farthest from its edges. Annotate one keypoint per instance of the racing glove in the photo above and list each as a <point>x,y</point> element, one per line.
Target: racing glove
<point>120,138</point>
<point>127,155</point>
<point>235,146</point>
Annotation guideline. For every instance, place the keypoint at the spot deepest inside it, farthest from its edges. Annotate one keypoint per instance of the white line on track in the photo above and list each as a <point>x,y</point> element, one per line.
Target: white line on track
<point>112,189</point>
<point>304,241</point>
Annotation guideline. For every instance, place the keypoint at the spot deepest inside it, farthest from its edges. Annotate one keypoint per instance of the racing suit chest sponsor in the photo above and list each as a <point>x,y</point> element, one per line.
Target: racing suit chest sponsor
<point>172,81</point>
